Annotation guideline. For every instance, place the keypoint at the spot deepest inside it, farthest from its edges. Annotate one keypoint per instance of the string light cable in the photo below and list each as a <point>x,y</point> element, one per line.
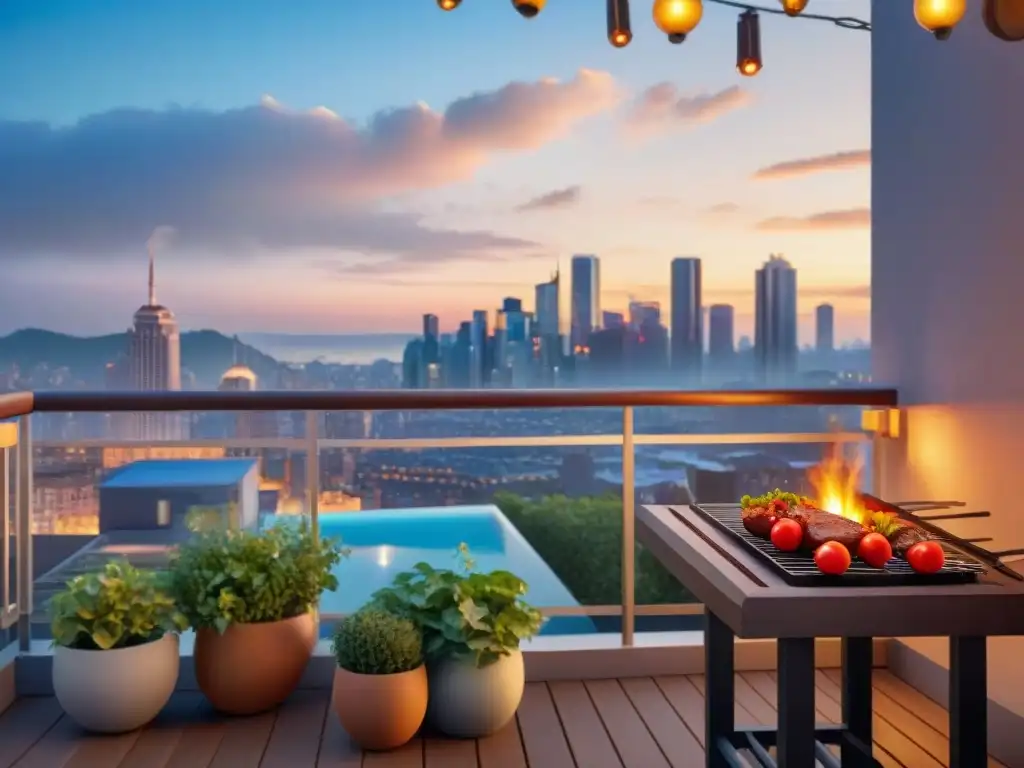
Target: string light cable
<point>846,22</point>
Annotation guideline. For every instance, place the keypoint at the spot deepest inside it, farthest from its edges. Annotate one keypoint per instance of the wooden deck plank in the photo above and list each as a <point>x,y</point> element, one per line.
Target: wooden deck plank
<point>295,740</point>
<point>337,750</point>
<point>743,715</point>
<point>55,748</point>
<point>23,723</point>
<point>408,756</point>
<point>590,743</point>
<point>449,753</point>
<point>752,701</point>
<point>543,739</point>
<point>200,739</point>
<point>686,700</point>
<point>156,744</point>
<point>102,750</point>
<point>679,746</point>
<point>245,740</point>
<point>503,749</point>
<point>633,741</point>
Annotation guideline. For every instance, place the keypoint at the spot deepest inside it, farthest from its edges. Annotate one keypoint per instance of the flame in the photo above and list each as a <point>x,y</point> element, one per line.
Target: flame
<point>836,484</point>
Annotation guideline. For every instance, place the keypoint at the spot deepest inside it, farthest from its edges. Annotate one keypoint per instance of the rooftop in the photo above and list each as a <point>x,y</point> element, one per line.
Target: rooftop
<point>179,473</point>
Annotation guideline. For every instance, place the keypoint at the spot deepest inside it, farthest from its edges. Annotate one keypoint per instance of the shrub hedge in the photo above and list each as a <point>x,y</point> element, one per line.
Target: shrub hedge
<point>581,540</point>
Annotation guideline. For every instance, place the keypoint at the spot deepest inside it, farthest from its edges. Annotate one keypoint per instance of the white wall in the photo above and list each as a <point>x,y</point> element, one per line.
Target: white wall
<point>948,277</point>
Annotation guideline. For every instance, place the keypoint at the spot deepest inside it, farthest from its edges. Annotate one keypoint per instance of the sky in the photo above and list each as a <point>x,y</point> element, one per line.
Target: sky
<point>316,166</point>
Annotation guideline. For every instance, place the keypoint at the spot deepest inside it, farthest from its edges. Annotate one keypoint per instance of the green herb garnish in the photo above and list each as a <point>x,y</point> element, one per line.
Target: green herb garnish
<point>777,495</point>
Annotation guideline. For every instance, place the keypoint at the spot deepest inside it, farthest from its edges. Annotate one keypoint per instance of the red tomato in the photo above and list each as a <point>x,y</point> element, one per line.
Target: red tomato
<point>787,534</point>
<point>832,558</point>
<point>875,550</point>
<point>926,557</point>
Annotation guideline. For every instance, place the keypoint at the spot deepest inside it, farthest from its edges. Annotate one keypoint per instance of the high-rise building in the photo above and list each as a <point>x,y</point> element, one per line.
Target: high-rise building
<point>644,312</point>
<point>478,354</point>
<point>687,328</point>
<point>775,339</point>
<point>546,300</point>
<point>154,358</point>
<point>824,329</point>
<point>248,424</point>
<point>721,323</point>
<point>430,353</point>
<point>612,320</point>
<point>586,299</point>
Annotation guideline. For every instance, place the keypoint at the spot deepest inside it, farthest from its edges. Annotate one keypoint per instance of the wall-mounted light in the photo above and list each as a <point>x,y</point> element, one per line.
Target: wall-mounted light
<point>748,43</point>
<point>619,32</point>
<point>793,7</point>
<point>939,16</point>
<point>677,18</point>
<point>1004,19</point>
<point>448,5</point>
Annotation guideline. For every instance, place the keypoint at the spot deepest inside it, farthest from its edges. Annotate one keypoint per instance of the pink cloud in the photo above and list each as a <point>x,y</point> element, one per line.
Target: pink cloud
<point>663,108</point>
<point>837,161</point>
<point>853,218</point>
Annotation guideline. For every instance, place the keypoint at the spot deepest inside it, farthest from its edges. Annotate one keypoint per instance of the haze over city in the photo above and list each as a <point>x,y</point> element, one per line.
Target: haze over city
<point>294,184</point>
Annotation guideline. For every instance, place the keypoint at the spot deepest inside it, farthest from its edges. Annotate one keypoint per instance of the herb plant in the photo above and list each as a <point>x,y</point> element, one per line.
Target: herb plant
<point>117,607</point>
<point>223,576</point>
<point>374,642</point>
<point>463,614</point>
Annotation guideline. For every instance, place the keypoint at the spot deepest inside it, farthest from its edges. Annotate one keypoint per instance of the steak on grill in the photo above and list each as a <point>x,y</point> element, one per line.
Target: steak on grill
<point>907,536</point>
<point>820,526</point>
<point>759,520</point>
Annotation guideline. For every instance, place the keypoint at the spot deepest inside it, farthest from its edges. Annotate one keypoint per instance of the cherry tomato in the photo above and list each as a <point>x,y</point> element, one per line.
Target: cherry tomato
<point>926,557</point>
<point>832,558</point>
<point>875,550</point>
<point>787,534</point>
<point>781,505</point>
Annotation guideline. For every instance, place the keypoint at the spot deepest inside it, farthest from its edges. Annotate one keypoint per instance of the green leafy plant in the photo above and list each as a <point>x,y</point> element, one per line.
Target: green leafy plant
<point>463,614</point>
<point>375,642</point>
<point>117,607</point>
<point>222,576</point>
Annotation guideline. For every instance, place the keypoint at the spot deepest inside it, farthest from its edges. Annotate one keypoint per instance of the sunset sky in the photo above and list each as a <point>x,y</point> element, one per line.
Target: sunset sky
<point>343,166</point>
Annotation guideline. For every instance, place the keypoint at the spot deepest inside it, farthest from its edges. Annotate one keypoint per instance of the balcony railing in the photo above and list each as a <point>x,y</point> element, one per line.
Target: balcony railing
<point>18,608</point>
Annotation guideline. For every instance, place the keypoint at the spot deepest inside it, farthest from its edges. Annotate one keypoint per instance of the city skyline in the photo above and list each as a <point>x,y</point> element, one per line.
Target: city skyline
<point>380,223</point>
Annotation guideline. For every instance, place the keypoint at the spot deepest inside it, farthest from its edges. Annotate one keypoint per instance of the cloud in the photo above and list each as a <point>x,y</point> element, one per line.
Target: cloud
<point>722,209</point>
<point>662,108</point>
<point>558,198</point>
<point>266,176</point>
<point>852,218</point>
<point>837,161</point>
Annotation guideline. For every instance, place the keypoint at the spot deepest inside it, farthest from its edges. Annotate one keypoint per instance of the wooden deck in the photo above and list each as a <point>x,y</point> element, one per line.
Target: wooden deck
<point>636,723</point>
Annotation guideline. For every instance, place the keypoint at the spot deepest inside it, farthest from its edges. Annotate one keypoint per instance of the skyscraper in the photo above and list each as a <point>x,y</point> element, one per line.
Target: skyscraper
<point>586,299</point>
<point>478,357</point>
<point>546,304</point>
<point>248,424</point>
<point>687,331</point>
<point>824,329</point>
<point>154,357</point>
<point>721,347</point>
<point>775,341</point>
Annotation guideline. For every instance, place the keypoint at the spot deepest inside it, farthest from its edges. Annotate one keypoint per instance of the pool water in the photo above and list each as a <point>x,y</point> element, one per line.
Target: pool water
<point>385,543</point>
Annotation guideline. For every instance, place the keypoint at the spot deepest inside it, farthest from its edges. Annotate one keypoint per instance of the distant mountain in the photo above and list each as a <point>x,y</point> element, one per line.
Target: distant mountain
<point>207,354</point>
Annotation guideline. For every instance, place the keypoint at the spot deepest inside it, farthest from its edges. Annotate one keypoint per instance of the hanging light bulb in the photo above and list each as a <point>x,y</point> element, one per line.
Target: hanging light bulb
<point>793,7</point>
<point>677,18</point>
<point>939,16</point>
<point>1004,19</point>
<point>448,5</point>
<point>528,8</point>
<point>619,32</point>
<point>748,44</point>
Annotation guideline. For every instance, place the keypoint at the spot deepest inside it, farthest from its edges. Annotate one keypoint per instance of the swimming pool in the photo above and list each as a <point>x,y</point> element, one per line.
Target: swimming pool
<point>384,543</point>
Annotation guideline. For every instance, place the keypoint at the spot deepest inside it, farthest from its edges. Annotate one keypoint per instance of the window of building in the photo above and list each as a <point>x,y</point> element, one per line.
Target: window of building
<point>163,513</point>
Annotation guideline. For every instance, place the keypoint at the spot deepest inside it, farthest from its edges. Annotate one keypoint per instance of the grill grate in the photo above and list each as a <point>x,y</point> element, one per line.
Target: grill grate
<point>799,570</point>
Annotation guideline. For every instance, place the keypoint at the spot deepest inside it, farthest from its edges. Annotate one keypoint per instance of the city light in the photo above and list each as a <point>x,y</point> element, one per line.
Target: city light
<point>748,44</point>
<point>677,18</point>
<point>939,16</point>
<point>619,32</point>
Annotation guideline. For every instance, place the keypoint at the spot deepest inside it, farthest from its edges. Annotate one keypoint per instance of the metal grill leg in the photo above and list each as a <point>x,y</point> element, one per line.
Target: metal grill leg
<point>857,663</point>
<point>720,691</point>
<point>968,702</point>
<point>796,702</point>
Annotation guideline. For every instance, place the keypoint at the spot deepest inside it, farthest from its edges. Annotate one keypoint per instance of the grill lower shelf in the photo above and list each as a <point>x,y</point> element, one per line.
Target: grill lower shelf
<point>799,570</point>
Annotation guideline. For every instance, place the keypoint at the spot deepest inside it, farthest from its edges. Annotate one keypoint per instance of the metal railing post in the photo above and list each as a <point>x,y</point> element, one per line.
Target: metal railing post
<point>23,533</point>
<point>5,536</point>
<point>628,527</point>
<point>313,469</point>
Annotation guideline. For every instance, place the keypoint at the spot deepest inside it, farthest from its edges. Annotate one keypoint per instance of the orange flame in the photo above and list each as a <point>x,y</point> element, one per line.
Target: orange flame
<point>836,484</point>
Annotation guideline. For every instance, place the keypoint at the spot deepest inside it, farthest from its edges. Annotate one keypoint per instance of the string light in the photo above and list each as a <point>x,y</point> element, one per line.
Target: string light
<point>528,8</point>
<point>677,18</point>
<point>939,16</point>
<point>619,32</point>
<point>1005,19</point>
<point>748,44</point>
<point>793,7</point>
<point>448,5</point>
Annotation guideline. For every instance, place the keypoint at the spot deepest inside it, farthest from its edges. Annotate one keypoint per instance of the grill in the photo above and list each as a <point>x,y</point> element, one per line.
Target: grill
<point>799,569</point>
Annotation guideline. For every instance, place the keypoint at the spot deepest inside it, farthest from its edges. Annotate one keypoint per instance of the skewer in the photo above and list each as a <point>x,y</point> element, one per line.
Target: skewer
<point>938,504</point>
<point>953,516</point>
<point>1008,553</point>
<point>981,540</point>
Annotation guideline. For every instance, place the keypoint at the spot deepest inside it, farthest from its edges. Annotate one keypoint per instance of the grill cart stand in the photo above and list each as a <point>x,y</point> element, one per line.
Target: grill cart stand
<point>746,597</point>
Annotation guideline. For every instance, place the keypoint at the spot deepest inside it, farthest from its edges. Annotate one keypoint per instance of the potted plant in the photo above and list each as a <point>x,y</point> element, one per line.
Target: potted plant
<point>472,626</point>
<point>380,685</point>
<point>251,597</point>
<point>115,658</point>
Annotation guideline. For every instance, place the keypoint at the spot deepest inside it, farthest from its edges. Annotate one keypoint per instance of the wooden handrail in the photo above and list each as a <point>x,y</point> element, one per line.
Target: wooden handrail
<point>19,403</point>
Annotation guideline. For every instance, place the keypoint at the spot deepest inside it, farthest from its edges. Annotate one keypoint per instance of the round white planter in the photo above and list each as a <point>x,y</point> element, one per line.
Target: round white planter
<point>116,691</point>
<point>467,702</point>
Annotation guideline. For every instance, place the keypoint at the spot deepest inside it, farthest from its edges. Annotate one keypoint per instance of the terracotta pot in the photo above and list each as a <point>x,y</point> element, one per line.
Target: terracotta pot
<point>253,667</point>
<point>116,691</point>
<point>469,702</point>
<point>380,711</point>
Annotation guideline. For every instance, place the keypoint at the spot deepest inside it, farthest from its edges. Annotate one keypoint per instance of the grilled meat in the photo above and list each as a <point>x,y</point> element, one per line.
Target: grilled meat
<point>820,526</point>
<point>906,536</point>
<point>759,520</point>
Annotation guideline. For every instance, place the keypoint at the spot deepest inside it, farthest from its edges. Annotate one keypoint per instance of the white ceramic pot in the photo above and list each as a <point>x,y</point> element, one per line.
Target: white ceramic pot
<point>116,691</point>
<point>467,702</point>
